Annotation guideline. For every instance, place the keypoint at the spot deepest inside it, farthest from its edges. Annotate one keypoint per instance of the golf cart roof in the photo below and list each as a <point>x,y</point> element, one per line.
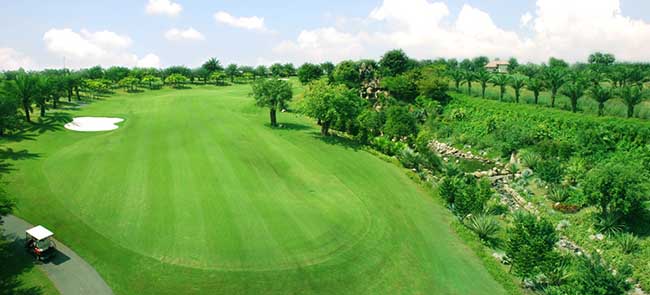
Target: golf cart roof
<point>39,233</point>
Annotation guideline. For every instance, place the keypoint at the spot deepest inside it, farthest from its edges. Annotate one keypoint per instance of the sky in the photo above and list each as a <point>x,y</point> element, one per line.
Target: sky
<point>37,34</point>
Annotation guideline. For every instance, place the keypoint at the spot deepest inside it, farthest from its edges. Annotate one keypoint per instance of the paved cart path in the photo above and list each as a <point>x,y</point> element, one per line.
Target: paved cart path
<point>69,272</point>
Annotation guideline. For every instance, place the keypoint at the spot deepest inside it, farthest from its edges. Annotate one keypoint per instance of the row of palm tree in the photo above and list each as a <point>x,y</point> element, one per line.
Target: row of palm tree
<point>572,83</point>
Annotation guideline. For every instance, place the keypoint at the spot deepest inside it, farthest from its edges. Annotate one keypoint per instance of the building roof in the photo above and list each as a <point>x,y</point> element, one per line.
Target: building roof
<point>497,63</point>
<point>39,232</point>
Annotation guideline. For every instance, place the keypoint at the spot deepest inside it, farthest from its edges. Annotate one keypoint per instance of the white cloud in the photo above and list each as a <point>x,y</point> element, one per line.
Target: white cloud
<point>149,61</point>
<point>165,7</point>
<point>10,59</point>
<point>424,29</point>
<point>253,23</point>
<point>85,49</point>
<point>525,19</point>
<point>187,34</point>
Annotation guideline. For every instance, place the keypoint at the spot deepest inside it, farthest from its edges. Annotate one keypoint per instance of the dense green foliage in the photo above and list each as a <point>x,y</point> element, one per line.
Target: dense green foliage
<point>273,94</point>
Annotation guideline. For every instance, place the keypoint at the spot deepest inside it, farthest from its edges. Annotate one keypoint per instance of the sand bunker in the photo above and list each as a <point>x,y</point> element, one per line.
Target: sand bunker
<point>91,124</point>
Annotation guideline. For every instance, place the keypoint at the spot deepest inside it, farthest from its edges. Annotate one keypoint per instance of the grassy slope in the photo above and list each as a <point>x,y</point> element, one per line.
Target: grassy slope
<point>196,193</point>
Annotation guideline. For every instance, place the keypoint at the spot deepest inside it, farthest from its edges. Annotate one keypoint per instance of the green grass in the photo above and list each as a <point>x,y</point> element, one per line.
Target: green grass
<point>19,275</point>
<point>196,194</point>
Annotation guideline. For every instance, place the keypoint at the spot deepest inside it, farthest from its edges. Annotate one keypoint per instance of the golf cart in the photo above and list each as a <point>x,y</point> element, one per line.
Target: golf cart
<point>39,243</point>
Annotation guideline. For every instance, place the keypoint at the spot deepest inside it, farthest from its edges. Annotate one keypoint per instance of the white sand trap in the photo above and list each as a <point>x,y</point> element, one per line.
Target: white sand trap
<point>92,124</point>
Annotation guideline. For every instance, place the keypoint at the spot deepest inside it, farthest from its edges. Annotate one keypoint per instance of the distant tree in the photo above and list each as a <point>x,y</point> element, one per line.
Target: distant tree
<point>95,72</point>
<point>181,70</point>
<point>632,96</point>
<point>434,85</point>
<point>9,115</point>
<point>602,59</point>
<point>479,63</point>
<point>554,78</point>
<point>273,94</point>
<point>176,80</point>
<point>24,88</point>
<point>535,85</point>
<point>116,74</point>
<point>399,122</point>
<point>347,73</point>
<point>618,187</point>
<point>530,244</point>
<point>288,70</point>
<point>276,70</point>
<point>469,76</point>
<point>218,77</point>
<point>501,81</point>
<point>129,84</point>
<point>557,63</point>
<point>394,62</point>
<point>328,69</point>
<point>529,70</point>
<point>152,81</point>
<point>483,77</point>
<point>513,64</point>
<point>402,87</point>
<point>202,74</point>
<point>457,76</point>
<point>574,90</point>
<point>517,82</point>
<point>601,95</point>
<point>212,65</point>
<point>232,71</point>
<point>261,71</point>
<point>309,72</point>
<point>331,104</point>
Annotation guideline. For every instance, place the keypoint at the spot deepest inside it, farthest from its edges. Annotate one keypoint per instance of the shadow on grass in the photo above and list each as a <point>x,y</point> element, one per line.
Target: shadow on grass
<point>639,224</point>
<point>289,126</point>
<point>51,122</point>
<point>333,139</point>
<point>15,262</point>
<point>9,154</point>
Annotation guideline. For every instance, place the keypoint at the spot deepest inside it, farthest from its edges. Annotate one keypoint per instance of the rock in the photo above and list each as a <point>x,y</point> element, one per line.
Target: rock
<point>563,224</point>
<point>599,237</point>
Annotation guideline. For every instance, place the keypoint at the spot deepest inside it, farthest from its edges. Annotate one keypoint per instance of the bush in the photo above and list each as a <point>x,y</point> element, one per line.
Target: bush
<point>608,224</point>
<point>399,122</point>
<point>550,171</point>
<point>486,227</point>
<point>409,158</point>
<point>558,194</point>
<point>629,243</point>
<point>595,276</point>
<point>531,242</point>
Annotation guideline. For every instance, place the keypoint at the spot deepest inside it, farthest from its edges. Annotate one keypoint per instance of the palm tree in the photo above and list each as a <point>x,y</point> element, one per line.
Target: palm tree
<point>24,88</point>
<point>517,82</point>
<point>601,95</point>
<point>483,77</point>
<point>636,76</point>
<point>469,77</point>
<point>457,76</point>
<point>501,81</point>
<point>554,79</point>
<point>632,96</point>
<point>535,85</point>
<point>574,90</point>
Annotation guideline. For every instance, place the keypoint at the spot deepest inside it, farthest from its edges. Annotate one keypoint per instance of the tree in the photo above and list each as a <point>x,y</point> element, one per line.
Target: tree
<point>517,82</point>
<point>458,77</point>
<point>273,94</point>
<point>331,104</point>
<point>152,81</point>
<point>276,70</point>
<point>309,72</point>
<point>513,64</point>
<point>116,74</point>
<point>261,71</point>
<point>557,63</point>
<point>212,65</point>
<point>479,63</point>
<point>469,77</point>
<point>129,84</point>
<point>232,71</point>
<point>176,80</point>
<point>402,87</point>
<point>554,78</point>
<point>347,73</point>
<point>601,59</point>
<point>9,106</point>
<point>181,70</point>
<point>501,81</point>
<point>95,72</point>
<point>399,122</point>
<point>483,77</point>
<point>574,90</point>
<point>434,85</point>
<point>288,70</point>
<point>601,95</point>
<point>24,88</point>
<point>218,77</point>
<point>617,187</point>
<point>201,73</point>
<point>535,85</point>
<point>394,62</point>
<point>632,96</point>
<point>328,69</point>
<point>530,244</point>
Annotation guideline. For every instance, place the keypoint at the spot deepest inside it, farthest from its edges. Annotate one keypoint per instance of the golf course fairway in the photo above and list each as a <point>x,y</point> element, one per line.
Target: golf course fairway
<point>195,193</point>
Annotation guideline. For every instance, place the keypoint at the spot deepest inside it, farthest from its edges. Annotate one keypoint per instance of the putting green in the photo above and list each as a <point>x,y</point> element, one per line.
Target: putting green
<point>195,193</point>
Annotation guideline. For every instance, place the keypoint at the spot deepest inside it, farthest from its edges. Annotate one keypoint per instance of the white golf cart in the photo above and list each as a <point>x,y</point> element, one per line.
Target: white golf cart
<point>39,243</point>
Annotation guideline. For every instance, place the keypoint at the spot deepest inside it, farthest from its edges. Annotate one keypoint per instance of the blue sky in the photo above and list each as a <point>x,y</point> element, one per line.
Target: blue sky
<point>157,32</point>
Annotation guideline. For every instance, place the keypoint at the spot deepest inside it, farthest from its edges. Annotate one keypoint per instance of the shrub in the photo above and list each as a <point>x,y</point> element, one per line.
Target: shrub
<point>629,243</point>
<point>409,158</point>
<point>608,224</point>
<point>486,227</point>
<point>399,122</point>
<point>558,194</point>
<point>595,276</point>
<point>550,171</point>
<point>530,245</point>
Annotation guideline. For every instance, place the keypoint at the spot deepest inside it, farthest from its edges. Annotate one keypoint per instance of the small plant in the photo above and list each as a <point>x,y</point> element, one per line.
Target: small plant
<point>558,194</point>
<point>609,224</point>
<point>530,159</point>
<point>486,227</point>
<point>629,243</point>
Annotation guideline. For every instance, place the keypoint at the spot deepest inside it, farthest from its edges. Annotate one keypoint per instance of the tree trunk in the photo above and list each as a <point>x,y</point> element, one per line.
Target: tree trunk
<point>54,102</point>
<point>76,90</point>
<point>517,96</point>
<point>536,97</point>
<point>574,105</point>
<point>325,128</point>
<point>501,94</point>
<point>469,89</point>
<point>26,108</point>
<point>483,92</point>
<point>272,114</point>
<point>319,122</point>
<point>2,131</point>
<point>601,109</point>
<point>43,110</point>
<point>630,111</point>
<point>70,95</point>
<point>553,93</point>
